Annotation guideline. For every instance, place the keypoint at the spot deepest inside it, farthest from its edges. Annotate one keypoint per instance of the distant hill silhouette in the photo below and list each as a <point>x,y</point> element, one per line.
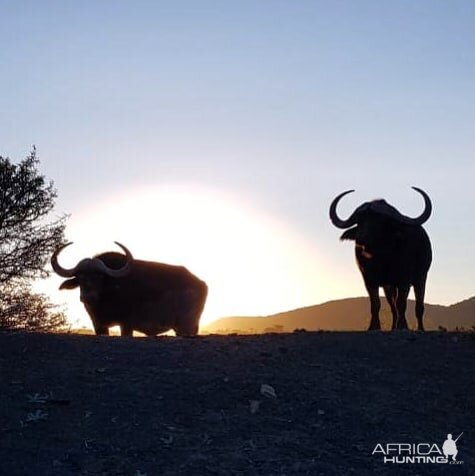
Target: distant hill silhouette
<point>345,315</point>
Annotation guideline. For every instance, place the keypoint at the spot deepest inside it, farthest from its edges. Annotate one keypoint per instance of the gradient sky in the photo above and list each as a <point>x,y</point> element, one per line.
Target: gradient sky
<point>270,108</point>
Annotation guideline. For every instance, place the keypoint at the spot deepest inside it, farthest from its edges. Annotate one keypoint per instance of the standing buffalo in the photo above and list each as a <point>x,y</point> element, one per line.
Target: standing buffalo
<point>137,295</point>
<point>392,251</point>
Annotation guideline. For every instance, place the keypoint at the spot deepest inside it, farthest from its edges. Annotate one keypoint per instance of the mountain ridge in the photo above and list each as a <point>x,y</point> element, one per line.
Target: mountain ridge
<point>348,314</point>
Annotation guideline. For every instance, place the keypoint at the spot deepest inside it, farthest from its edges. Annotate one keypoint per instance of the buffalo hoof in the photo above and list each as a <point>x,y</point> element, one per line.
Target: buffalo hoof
<point>400,325</point>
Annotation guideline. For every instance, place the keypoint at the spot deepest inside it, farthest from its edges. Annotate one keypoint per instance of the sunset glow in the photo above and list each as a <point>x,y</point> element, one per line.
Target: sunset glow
<point>252,263</point>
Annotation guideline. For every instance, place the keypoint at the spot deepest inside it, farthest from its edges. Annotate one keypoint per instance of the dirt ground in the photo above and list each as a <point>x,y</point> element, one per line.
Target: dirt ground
<point>309,403</point>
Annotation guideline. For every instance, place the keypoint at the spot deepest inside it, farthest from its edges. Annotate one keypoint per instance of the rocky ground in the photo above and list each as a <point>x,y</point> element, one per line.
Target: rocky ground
<point>278,404</point>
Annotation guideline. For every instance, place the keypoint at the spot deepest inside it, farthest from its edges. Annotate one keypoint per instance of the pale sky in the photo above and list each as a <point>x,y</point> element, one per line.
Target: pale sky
<point>215,134</point>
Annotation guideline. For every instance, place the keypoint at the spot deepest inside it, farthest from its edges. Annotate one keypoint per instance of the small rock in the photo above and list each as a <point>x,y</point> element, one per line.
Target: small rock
<point>268,391</point>
<point>254,406</point>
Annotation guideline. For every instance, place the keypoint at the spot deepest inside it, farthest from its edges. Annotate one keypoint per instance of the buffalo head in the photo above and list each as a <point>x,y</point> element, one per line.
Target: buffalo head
<point>89,274</point>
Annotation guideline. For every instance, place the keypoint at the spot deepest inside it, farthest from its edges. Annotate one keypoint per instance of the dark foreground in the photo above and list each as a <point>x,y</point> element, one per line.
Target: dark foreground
<point>81,405</point>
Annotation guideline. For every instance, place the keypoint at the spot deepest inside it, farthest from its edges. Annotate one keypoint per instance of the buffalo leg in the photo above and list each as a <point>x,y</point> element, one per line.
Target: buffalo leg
<point>126,331</point>
<point>391,296</point>
<point>373,292</point>
<point>401,304</point>
<point>101,330</point>
<point>419,291</point>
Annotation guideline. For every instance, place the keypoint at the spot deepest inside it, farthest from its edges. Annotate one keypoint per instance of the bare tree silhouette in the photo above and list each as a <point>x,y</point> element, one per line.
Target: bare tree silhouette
<point>27,240</point>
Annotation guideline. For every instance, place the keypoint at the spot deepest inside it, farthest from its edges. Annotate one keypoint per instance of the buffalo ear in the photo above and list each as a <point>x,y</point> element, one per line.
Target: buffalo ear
<point>70,284</point>
<point>349,234</point>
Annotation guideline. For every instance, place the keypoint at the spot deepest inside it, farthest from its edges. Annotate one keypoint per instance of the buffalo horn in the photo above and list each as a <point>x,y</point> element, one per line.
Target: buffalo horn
<point>119,273</point>
<point>425,214</point>
<point>63,272</point>
<point>338,222</point>
<point>90,264</point>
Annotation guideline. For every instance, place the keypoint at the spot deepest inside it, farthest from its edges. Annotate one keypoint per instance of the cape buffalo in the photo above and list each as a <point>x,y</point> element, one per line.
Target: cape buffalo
<point>148,297</point>
<point>392,251</point>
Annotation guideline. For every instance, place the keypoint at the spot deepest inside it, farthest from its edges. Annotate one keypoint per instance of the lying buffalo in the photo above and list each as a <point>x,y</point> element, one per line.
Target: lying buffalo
<point>393,251</point>
<point>144,296</point>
